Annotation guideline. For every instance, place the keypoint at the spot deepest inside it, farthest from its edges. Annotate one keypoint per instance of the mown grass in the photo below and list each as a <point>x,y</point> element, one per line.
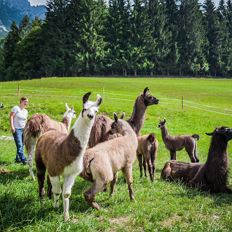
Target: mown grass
<point>159,206</point>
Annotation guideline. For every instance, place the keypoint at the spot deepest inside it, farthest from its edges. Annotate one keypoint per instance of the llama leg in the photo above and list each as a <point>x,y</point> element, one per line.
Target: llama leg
<point>112,183</point>
<point>41,169</point>
<point>195,153</point>
<point>56,189</point>
<point>127,171</point>
<point>90,194</point>
<point>49,193</point>
<point>67,188</point>
<point>150,169</point>
<point>145,168</point>
<point>191,155</point>
<point>173,155</point>
<point>30,160</point>
<point>140,159</point>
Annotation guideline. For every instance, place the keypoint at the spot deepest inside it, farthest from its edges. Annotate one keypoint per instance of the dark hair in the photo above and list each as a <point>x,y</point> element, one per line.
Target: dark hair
<point>23,99</point>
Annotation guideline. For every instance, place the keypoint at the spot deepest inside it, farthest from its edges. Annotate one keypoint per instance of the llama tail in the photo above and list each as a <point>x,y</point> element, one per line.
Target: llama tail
<point>152,153</point>
<point>196,136</point>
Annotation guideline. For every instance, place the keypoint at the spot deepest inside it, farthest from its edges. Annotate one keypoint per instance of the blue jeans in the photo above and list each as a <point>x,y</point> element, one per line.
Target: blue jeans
<point>18,138</point>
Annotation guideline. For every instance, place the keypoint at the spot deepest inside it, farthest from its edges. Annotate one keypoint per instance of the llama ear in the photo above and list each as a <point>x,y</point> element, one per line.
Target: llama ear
<point>86,97</point>
<point>123,115</point>
<point>115,117</point>
<point>145,91</point>
<point>164,120</point>
<point>66,107</point>
<point>99,100</point>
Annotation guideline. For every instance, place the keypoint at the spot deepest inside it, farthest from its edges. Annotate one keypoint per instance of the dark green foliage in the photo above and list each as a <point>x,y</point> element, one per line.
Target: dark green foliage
<point>191,39</point>
<point>140,37</point>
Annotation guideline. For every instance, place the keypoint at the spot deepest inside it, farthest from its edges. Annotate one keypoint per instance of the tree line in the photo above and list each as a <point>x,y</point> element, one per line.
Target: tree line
<point>122,37</point>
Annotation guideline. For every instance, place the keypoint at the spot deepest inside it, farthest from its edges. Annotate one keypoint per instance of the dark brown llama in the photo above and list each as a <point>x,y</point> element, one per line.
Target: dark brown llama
<point>211,176</point>
<point>103,123</point>
<point>177,143</point>
<point>147,154</point>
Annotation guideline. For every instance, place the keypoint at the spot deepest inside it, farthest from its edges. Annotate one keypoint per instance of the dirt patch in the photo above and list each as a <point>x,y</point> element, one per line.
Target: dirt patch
<point>167,223</point>
<point>120,220</point>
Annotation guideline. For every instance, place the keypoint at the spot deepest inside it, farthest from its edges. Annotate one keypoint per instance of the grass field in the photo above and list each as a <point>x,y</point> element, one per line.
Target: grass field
<point>159,206</point>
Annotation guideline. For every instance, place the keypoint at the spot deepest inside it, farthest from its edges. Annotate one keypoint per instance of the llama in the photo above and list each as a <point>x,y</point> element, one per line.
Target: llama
<point>102,162</point>
<point>177,143</point>
<point>39,124</point>
<point>102,123</point>
<point>62,154</point>
<point>147,154</point>
<point>211,176</point>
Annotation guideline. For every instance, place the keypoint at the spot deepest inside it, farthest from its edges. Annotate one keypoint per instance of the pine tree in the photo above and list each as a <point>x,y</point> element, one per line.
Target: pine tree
<point>118,36</point>
<point>191,39</point>
<point>10,44</point>
<point>90,43</point>
<point>141,38</point>
<point>172,58</point>
<point>213,37</point>
<point>161,35</point>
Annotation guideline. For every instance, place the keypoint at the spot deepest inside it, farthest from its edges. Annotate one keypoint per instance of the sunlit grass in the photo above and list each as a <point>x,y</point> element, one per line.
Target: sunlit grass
<point>159,206</point>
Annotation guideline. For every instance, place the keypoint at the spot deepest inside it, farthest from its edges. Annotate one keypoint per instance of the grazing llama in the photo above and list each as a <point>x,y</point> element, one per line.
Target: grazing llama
<point>147,154</point>
<point>37,125</point>
<point>62,154</point>
<point>177,143</point>
<point>103,123</point>
<point>211,176</point>
<point>102,162</point>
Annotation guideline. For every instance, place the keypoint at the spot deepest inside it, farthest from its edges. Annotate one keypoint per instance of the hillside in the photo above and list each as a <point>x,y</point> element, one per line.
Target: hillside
<point>11,10</point>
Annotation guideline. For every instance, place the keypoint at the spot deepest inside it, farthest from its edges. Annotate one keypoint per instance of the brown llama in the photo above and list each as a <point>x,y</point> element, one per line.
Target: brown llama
<point>62,154</point>
<point>37,125</point>
<point>102,162</point>
<point>211,176</point>
<point>177,143</point>
<point>102,123</point>
<point>147,154</point>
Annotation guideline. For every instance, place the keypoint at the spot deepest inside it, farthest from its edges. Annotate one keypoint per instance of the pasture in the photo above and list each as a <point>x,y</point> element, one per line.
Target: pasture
<point>159,206</point>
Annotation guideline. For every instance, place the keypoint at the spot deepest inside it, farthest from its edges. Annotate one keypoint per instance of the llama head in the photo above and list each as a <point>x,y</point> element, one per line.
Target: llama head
<point>223,132</point>
<point>151,138</point>
<point>148,99</point>
<point>69,113</point>
<point>119,125</point>
<point>162,123</point>
<point>90,108</point>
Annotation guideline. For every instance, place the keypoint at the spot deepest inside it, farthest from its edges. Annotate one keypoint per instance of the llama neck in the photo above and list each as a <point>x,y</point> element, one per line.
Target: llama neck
<point>217,163</point>
<point>138,116</point>
<point>164,133</point>
<point>67,122</point>
<point>82,129</point>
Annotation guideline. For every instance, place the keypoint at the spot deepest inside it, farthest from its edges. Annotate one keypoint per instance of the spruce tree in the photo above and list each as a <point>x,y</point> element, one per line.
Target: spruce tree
<point>9,47</point>
<point>212,50</point>
<point>161,35</point>
<point>191,39</point>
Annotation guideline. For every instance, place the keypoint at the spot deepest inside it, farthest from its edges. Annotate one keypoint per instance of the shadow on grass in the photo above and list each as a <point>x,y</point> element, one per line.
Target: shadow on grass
<point>19,211</point>
<point>220,199</point>
<point>10,176</point>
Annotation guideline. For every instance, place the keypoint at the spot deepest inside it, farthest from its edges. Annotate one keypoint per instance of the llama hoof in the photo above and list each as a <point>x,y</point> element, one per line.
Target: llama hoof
<point>56,205</point>
<point>95,205</point>
<point>132,198</point>
<point>66,217</point>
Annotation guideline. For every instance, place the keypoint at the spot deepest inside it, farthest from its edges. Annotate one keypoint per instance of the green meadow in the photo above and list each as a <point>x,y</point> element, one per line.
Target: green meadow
<point>159,206</point>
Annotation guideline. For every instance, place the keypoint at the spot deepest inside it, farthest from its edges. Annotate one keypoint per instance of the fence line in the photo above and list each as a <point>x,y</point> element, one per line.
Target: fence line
<point>187,103</point>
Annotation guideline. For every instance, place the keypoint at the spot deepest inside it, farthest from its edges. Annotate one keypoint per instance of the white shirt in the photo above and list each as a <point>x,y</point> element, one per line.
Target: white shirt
<point>20,117</point>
